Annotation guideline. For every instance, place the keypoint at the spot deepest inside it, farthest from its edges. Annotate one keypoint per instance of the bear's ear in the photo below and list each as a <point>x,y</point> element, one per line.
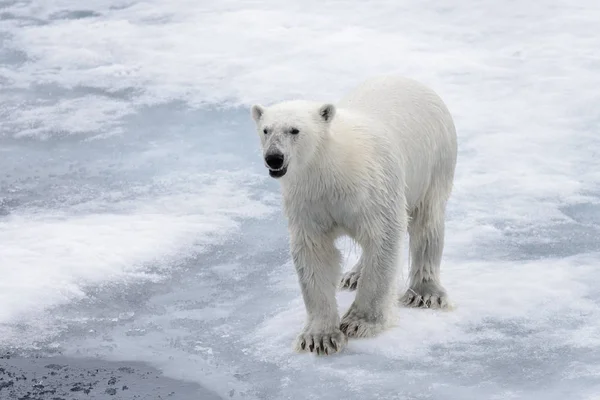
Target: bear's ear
<point>326,112</point>
<point>257,112</point>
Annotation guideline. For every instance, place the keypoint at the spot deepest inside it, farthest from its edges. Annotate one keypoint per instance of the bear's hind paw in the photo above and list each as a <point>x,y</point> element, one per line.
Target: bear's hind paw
<point>350,280</point>
<point>357,324</point>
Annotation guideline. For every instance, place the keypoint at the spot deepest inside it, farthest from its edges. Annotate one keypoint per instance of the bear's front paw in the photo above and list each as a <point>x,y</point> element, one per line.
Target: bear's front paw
<point>356,323</point>
<point>426,295</point>
<point>323,342</point>
<point>350,280</point>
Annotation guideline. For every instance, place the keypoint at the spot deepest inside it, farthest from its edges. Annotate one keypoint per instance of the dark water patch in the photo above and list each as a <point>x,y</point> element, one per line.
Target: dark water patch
<point>11,57</point>
<point>19,19</point>
<point>555,241</point>
<point>69,378</point>
<point>584,213</point>
<point>47,94</point>
<point>74,14</point>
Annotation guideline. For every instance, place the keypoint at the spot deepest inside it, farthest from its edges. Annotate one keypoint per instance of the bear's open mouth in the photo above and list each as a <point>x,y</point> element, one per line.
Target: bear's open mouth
<point>277,173</point>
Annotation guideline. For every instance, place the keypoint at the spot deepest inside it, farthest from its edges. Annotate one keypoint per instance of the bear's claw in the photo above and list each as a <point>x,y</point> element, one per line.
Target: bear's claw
<point>357,324</point>
<point>321,343</point>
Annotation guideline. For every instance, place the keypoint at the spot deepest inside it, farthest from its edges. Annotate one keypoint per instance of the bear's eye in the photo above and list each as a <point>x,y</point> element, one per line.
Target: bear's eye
<point>294,131</point>
<point>265,131</point>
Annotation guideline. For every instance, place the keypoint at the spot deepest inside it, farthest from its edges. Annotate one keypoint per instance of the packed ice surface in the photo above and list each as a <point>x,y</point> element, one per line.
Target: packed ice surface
<point>137,221</point>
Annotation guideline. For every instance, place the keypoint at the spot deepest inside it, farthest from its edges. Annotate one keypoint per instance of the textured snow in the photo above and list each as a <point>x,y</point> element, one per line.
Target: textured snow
<point>137,221</point>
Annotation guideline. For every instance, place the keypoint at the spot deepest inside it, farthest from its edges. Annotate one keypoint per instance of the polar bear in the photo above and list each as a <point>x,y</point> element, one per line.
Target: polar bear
<point>377,164</point>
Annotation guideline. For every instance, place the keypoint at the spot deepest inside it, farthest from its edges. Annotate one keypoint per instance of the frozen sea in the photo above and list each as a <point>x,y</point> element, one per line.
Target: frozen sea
<point>138,225</point>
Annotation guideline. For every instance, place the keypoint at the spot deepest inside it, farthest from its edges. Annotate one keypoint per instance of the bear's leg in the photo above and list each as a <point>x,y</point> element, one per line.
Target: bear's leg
<point>372,309</point>
<point>426,230</point>
<point>317,262</point>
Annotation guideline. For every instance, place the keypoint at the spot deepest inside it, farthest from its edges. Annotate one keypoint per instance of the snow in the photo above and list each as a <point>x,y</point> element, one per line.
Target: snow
<point>137,221</point>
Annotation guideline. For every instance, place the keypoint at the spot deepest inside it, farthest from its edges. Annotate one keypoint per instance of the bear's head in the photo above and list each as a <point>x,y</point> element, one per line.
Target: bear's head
<point>291,133</point>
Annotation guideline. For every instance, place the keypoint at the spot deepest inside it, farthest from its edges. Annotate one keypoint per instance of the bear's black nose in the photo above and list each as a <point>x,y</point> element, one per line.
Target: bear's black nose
<point>274,160</point>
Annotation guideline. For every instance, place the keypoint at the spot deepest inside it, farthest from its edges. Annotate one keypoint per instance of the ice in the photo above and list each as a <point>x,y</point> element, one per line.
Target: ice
<point>137,221</point>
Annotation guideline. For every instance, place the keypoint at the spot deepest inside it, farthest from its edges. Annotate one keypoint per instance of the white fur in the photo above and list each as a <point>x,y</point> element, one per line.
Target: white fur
<point>377,164</point>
